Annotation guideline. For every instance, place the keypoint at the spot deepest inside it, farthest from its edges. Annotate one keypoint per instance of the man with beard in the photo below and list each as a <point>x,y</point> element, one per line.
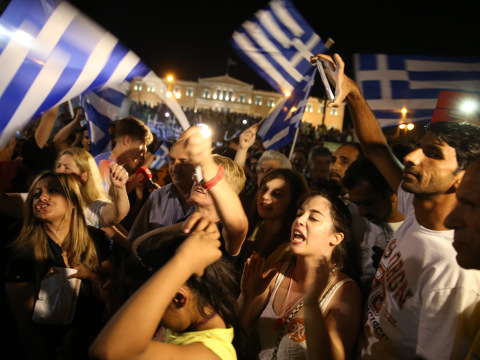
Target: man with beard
<point>168,204</point>
<point>345,154</point>
<point>376,203</point>
<point>419,289</point>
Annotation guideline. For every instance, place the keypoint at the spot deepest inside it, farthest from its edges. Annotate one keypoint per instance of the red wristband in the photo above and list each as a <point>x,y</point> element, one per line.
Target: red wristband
<point>212,182</point>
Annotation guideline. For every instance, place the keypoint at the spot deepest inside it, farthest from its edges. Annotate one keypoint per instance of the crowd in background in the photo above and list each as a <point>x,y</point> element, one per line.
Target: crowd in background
<point>234,251</point>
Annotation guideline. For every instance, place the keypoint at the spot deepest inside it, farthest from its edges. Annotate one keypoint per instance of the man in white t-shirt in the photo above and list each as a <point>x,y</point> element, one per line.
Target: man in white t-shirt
<point>419,290</point>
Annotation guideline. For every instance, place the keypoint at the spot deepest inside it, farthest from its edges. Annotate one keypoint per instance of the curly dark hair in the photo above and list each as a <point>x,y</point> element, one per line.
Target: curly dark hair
<point>216,287</point>
<point>346,254</point>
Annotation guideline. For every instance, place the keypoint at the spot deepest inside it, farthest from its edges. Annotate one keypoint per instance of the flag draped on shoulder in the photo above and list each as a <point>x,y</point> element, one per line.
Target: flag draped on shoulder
<point>49,53</point>
<point>390,83</point>
<point>277,43</point>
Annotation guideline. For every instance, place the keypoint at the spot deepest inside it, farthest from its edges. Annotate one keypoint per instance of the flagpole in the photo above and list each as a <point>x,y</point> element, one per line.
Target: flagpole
<point>328,44</point>
<point>294,142</point>
<point>70,106</point>
<point>260,123</point>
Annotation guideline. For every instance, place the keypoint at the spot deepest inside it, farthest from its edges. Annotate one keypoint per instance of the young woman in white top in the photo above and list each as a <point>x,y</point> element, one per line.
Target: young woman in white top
<point>320,237</point>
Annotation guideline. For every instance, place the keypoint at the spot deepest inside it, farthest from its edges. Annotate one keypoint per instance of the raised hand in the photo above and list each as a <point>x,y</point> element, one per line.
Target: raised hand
<point>335,71</point>
<point>118,175</point>
<point>254,281</point>
<point>200,250</point>
<point>197,146</point>
<point>196,223</point>
<point>320,276</point>
<point>247,137</point>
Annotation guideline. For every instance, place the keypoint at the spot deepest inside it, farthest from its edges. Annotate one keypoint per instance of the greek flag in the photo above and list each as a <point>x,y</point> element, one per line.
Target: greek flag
<point>393,82</point>
<point>50,53</point>
<point>277,43</point>
<point>161,157</point>
<point>279,128</point>
<point>100,108</point>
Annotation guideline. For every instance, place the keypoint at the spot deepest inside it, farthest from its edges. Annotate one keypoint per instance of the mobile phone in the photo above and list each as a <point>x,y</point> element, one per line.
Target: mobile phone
<point>83,122</point>
<point>326,84</point>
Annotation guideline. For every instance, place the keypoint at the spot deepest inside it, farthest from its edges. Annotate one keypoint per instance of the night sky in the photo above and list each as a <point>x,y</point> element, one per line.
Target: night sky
<point>191,39</point>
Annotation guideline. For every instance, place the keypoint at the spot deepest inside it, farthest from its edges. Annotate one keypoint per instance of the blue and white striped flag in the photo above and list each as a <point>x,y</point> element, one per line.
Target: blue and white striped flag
<point>392,82</point>
<point>277,43</point>
<point>279,128</point>
<point>162,157</point>
<point>50,53</point>
<point>100,108</point>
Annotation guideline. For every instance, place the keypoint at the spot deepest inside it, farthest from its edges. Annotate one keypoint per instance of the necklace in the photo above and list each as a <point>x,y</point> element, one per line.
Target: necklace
<point>281,318</point>
<point>282,322</point>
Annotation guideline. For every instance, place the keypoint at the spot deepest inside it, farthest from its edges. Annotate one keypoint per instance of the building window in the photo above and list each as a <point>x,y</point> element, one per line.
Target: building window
<point>309,108</point>
<point>150,88</point>
<point>230,96</point>
<point>189,92</point>
<point>206,93</point>
<point>271,102</point>
<point>333,111</point>
<point>258,100</point>
<point>241,98</point>
<point>138,86</point>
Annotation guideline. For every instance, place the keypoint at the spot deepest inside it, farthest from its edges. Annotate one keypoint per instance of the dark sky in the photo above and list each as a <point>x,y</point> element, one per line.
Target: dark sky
<point>191,39</point>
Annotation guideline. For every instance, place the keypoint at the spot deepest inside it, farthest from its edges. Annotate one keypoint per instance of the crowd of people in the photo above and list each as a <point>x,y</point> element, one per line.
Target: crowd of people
<point>365,251</point>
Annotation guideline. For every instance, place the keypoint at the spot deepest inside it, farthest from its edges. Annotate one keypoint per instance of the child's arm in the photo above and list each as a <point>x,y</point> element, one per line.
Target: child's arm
<point>128,334</point>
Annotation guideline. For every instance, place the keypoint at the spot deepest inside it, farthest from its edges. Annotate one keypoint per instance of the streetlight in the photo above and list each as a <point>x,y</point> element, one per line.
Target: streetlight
<point>169,81</point>
<point>169,93</point>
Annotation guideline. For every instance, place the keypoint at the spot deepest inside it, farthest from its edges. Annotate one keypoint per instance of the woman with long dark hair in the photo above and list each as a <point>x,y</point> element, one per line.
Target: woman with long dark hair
<point>320,236</point>
<point>55,234</point>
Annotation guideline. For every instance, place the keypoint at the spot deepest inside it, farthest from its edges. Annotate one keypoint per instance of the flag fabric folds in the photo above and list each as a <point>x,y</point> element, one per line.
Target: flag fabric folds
<point>50,53</point>
<point>392,82</point>
<point>279,128</point>
<point>100,108</point>
<point>103,106</point>
<point>277,43</point>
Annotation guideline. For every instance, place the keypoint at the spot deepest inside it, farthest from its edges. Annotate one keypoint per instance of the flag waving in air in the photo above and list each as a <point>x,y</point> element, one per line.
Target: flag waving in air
<point>50,53</point>
<point>391,83</point>
<point>277,43</point>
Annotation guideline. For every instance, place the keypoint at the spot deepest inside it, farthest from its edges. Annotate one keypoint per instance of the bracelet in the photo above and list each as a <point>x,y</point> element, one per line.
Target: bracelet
<point>212,182</point>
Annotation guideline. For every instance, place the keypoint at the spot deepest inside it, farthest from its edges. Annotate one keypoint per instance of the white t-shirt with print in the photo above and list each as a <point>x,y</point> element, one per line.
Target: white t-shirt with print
<point>417,293</point>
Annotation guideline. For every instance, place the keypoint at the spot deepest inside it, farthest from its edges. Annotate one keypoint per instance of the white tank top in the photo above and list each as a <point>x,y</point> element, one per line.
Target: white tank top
<point>293,344</point>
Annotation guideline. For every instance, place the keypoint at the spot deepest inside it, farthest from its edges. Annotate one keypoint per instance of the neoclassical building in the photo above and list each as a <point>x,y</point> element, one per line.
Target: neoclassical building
<point>229,95</point>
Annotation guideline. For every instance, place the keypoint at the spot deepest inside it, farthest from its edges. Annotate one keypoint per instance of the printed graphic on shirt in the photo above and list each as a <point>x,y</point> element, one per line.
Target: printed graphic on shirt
<point>296,330</point>
<point>390,280</point>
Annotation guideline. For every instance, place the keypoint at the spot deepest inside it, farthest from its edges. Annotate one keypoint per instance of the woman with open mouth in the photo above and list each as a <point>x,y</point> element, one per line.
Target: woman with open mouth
<point>55,235</point>
<point>313,295</point>
<point>274,211</point>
